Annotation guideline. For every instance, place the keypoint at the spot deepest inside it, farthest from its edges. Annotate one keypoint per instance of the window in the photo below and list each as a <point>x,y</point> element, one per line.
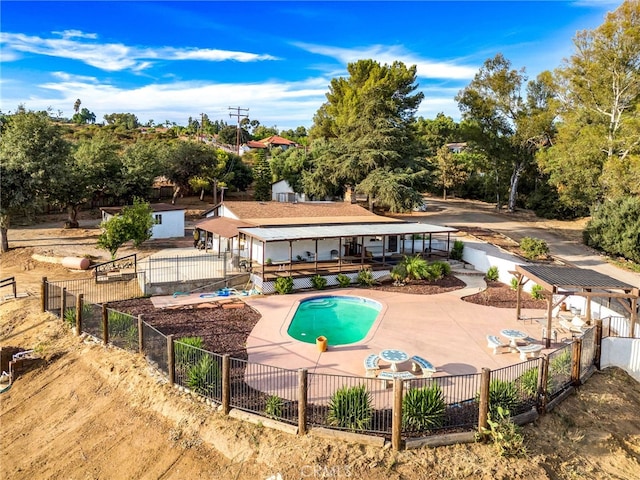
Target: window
<point>157,219</point>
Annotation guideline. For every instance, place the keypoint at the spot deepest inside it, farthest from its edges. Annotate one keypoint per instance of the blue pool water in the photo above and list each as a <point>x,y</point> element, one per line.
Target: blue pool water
<point>341,319</point>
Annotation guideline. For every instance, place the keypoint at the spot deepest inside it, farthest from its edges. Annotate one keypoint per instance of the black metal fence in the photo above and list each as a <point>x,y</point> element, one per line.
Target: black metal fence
<point>356,404</point>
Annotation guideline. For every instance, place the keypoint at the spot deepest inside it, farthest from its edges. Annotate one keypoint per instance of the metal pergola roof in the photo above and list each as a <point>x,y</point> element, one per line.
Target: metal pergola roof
<point>582,282</point>
<point>555,278</point>
<point>279,234</point>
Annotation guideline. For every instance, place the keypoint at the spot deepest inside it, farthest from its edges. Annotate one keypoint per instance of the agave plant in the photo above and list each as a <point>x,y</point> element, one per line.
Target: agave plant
<point>204,377</point>
<point>274,407</point>
<point>503,394</point>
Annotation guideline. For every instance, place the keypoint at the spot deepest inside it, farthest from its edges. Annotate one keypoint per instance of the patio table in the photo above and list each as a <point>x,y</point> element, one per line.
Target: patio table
<point>513,336</point>
<point>394,356</point>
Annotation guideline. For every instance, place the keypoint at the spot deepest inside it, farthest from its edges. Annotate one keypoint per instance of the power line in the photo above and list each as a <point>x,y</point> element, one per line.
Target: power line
<point>238,115</point>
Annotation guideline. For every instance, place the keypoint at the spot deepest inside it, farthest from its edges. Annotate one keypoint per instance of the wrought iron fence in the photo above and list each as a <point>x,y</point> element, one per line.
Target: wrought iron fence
<point>559,370</point>
<point>154,347</point>
<point>357,404</point>
<point>123,330</point>
<point>101,292</point>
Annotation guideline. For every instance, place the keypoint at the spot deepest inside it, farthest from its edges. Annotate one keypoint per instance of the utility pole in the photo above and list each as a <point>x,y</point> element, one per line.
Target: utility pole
<point>202,127</point>
<point>238,116</point>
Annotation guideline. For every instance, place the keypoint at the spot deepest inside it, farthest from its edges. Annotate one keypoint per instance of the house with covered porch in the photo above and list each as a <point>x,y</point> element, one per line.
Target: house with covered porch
<point>301,240</point>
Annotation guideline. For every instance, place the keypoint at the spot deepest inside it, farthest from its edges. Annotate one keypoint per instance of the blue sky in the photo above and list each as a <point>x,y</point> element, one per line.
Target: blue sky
<point>175,60</point>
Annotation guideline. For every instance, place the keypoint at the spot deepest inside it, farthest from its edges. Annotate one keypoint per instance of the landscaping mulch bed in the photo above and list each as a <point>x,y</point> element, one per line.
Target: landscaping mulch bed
<point>500,295</point>
<point>224,331</point>
<point>422,287</point>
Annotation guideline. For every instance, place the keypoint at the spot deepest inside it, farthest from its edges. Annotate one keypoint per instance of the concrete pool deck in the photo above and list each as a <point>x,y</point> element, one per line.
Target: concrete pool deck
<point>447,331</point>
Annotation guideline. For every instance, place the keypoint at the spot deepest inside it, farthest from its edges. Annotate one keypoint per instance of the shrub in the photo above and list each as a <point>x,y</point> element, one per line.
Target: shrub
<point>528,382</point>
<point>415,267</point>
<point>274,407</point>
<point>123,326</point>
<point>614,228</point>
<point>351,408</point>
<point>534,248</point>
<point>457,250</point>
<point>493,274</point>
<point>284,285</point>
<point>514,283</point>
<point>559,370</point>
<point>365,278</point>
<point>536,292</point>
<point>423,408</point>
<point>506,435</point>
<point>437,270</point>
<point>398,274</point>
<point>184,349</point>
<point>70,316</point>
<point>343,280</point>
<point>204,376</point>
<point>318,282</point>
<point>502,394</point>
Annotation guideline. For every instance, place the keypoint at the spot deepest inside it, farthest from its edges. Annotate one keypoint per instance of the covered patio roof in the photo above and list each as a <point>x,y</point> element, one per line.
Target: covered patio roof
<point>225,227</point>
<point>582,282</point>
<point>307,232</point>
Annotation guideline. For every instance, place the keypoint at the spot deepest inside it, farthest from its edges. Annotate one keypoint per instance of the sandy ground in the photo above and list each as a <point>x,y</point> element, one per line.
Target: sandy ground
<point>97,412</point>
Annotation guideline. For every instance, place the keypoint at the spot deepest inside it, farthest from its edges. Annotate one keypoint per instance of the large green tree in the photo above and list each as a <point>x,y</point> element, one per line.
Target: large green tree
<point>368,121</point>
<point>596,154</point>
<point>510,127</point>
<point>33,154</point>
<point>134,223</point>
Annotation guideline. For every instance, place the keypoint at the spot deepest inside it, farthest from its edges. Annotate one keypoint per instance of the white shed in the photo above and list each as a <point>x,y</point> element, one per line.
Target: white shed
<point>281,191</point>
<point>168,220</point>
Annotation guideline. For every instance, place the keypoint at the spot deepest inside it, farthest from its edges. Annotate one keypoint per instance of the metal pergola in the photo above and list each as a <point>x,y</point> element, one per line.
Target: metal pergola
<point>581,282</point>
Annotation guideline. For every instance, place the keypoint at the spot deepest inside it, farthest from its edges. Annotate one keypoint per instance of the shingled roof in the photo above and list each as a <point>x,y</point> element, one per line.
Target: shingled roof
<point>303,213</point>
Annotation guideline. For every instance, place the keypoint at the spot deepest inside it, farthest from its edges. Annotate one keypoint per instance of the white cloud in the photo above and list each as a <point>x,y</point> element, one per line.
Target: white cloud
<point>284,104</point>
<point>389,54</point>
<point>114,57</point>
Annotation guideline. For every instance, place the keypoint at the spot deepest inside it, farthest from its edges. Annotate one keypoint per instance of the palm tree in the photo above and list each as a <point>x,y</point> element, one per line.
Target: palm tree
<point>76,105</point>
<point>411,268</point>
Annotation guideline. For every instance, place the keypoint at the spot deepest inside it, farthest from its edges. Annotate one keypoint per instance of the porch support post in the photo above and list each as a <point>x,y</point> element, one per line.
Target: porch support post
<point>264,247</point>
<point>339,254</point>
<point>290,256</point>
<point>547,340</point>
<point>315,256</point>
<point>587,312</point>
<point>448,244</point>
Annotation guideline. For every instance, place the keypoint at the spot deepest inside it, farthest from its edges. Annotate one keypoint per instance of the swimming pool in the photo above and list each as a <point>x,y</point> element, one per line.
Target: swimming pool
<point>341,319</point>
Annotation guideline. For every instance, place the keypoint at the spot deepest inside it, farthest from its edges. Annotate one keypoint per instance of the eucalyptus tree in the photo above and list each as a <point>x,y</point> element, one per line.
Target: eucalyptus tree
<point>368,120</point>
<point>596,154</point>
<point>33,154</point>
<point>510,127</point>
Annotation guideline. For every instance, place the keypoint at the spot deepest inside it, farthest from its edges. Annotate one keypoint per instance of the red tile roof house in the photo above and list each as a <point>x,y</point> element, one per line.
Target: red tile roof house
<point>304,239</point>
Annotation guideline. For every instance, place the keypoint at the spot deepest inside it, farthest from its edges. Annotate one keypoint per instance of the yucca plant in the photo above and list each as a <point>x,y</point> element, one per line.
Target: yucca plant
<point>274,407</point>
<point>343,280</point>
<point>351,408</point>
<point>559,370</point>
<point>124,327</point>
<point>185,349</point>
<point>503,394</point>
<point>70,316</point>
<point>423,408</point>
<point>456,251</point>
<point>204,376</point>
<point>528,382</point>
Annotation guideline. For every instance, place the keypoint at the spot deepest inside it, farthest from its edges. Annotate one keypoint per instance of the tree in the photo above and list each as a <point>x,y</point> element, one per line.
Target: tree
<point>450,172</point>
<point>128,121</point>
<point>494,102</point>
<point>437,132</point>
<point>184,160</point>
<point>596,152</point>
<point>31,154</point>
<point>368,121</point>
<point>85,116</point>
<point>133,223</point>
<point>262,178</point>
<point>76,105</point>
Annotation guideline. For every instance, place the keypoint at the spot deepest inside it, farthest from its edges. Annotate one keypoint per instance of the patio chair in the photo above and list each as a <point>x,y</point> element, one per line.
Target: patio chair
<point>335,255</point>
<point>310,256</point>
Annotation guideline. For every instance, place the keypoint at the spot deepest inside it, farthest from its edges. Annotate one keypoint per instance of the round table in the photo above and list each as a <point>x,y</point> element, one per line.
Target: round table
<point>394,356</point>
<point>513,335</point>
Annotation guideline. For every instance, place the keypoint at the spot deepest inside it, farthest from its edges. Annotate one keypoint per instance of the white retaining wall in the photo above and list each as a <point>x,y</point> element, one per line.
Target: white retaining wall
<point>623,353</point>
